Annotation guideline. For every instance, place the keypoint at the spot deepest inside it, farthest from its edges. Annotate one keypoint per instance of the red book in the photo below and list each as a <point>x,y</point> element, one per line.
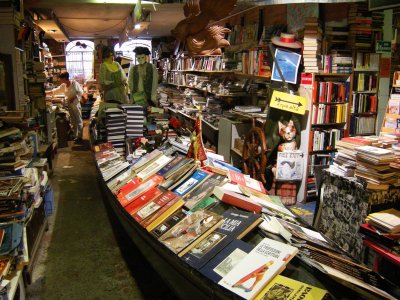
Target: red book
<point>237,200</point>
<point>129,186</point>
<point>134,191</point>
<point>357,140</point>
<point>102,147</point>
<point>141,201</point>
<point>241,179</point>
<point>154,205</point>
<point>383,252</point>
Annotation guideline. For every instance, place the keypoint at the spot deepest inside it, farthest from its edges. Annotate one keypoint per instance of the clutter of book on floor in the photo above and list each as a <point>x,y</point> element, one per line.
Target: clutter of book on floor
<point>25,194</point>
<point>205,210</point>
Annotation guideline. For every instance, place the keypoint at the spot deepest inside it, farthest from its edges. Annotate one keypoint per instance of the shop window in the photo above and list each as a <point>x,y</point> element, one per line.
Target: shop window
<point>80,60</point>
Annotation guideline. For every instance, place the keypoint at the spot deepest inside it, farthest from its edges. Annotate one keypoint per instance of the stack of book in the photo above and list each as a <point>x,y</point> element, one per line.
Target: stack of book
<point>109,161</point>
<point>360,20</point>
<point>336,34</point>
<point>381,232</point>
<point>134,120</point>
<point>377,25</point>
<point>115,126</point>
<point>312,45</point>
<point>373,166</point>
<point>345,163</point>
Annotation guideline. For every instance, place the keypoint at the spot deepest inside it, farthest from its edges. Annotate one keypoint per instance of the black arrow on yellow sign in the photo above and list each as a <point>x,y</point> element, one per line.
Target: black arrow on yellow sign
<point>281,100</point>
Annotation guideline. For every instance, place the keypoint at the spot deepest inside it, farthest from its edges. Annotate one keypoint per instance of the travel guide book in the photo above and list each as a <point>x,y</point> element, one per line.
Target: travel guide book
<point>258,268</point>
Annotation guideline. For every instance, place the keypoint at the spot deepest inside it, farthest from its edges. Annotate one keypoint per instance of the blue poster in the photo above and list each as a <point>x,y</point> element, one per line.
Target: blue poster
<point>288,63</point>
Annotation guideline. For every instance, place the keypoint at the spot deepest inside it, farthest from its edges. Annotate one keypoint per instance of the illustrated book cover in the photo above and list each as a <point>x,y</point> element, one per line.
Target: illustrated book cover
<point>204,190</point>
<point>191,183</point>
<point>236,224</point>
<point>282,287</point>
<point>191,228</point>
<point>258,268</point>
<point>289,165</point>
<point>222,263</point>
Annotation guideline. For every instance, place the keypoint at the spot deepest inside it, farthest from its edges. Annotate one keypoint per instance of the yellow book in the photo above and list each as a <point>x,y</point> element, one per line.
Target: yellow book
<point>281,287</point>
<point>178,204</point>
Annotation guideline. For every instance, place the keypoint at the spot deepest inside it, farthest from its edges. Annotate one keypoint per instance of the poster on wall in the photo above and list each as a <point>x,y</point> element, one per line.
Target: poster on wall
<point>288,63</point>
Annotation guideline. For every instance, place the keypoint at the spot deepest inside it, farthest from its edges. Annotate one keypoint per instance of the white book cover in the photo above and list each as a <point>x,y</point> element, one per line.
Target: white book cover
<point>258,268</point>
<point>154,167</point>
<point>289,165</point>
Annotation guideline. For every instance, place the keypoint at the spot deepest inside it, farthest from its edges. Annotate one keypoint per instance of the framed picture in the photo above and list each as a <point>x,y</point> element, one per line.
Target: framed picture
<point>288,63</point>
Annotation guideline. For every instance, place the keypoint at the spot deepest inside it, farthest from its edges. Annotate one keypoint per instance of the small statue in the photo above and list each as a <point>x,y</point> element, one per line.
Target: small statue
<point>196,149</point>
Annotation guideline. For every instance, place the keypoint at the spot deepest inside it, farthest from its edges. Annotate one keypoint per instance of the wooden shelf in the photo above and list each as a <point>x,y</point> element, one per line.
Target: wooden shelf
<point>330,103</point>
<point>322,151</point>
<point>328,124</point>
<point>365,92</point>
<point>366,70</point>
<point>364,114</point>
<point>334,74</point>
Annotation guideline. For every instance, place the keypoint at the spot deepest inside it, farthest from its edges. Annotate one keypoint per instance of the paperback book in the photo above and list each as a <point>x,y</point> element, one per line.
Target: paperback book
<point>204,190</point>
<point>258,268</point>
<point>190,229</point>
<point>286,288</point>
<point>191,183</point>
<point>222,263</point>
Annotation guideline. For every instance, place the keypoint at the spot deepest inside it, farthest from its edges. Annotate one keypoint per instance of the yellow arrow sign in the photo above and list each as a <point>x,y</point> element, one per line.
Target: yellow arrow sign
<point>288,102</point>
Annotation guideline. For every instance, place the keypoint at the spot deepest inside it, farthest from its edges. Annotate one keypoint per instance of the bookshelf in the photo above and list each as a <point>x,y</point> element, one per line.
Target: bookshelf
<point>328,121</point>
<point>364,100</point>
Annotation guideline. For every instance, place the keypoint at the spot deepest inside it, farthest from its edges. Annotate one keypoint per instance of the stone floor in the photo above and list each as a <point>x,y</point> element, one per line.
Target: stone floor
<point>85,254</point>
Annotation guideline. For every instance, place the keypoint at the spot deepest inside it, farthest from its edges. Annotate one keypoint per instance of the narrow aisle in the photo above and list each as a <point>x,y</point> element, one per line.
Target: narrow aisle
<point>81,257</point>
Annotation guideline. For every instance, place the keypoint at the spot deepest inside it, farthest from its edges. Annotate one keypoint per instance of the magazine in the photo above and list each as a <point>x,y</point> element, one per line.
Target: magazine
<point>289,165</point>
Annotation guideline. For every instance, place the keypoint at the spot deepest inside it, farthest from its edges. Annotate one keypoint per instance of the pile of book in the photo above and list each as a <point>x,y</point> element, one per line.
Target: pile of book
<point>360,21</point>
<point>336,34</point>
<point>373,166</point>
<point>381,232</point>
<point>115,126</point>
<point>312,45</point>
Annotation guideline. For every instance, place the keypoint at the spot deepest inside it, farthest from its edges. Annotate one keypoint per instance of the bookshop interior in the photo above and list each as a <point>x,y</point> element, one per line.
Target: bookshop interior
<point>200,149</point>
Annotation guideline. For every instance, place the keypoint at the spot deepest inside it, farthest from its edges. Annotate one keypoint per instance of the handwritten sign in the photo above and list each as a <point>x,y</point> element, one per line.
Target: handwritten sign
<point>288,102</point>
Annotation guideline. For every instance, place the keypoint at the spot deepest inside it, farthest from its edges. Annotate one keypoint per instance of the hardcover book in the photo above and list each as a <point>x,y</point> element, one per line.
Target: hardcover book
<point>102,147</point>
<point>286,288</point>
<point>142,200</point>
<point>153,206</point>
<point>236,224</point>
<point>258,268</point>
<point>204,190</point>
<point>191,183</point>
<point>222,263</point>
<point>128,195</point>
<point>190,229</point>
<point>246,181</point>
<point>237,200</point>
<point>162,214</point>
<point>205,204</point>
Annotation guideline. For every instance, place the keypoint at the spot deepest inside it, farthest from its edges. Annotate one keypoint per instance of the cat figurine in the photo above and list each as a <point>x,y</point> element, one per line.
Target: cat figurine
<point>288,134</point>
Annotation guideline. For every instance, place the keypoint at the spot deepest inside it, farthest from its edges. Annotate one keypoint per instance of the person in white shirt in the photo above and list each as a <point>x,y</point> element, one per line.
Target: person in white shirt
<point>73,92</point>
